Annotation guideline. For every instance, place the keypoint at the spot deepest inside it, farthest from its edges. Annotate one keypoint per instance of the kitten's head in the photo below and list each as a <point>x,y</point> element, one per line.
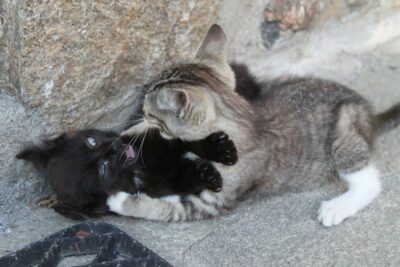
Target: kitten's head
<point>77,166</point>
<point>188,99</point>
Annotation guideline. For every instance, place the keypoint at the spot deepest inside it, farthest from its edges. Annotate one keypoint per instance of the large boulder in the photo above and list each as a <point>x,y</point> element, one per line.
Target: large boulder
<point>76,62</point>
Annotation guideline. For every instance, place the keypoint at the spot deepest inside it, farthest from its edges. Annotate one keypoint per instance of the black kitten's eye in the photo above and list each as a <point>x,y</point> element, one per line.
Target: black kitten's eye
<point>91,142</point>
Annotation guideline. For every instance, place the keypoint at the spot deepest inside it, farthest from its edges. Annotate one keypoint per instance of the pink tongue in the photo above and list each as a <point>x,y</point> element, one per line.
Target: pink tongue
<point>129,152</point>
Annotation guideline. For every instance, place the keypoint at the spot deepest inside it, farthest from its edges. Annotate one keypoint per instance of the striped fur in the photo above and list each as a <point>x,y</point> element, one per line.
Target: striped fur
<point>295,134</point>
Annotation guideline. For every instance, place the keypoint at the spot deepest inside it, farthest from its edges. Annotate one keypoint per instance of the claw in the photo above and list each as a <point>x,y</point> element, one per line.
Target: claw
<point>219,136</point>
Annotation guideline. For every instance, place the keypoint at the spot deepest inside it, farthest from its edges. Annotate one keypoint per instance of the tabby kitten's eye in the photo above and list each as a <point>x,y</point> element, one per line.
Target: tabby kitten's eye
<point>91,142</point>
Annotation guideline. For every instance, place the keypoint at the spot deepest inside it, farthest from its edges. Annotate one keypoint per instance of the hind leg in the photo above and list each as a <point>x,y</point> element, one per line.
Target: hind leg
<point>351,151</point>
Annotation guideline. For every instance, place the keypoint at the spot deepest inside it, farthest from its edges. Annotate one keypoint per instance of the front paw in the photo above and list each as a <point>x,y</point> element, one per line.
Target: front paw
<point>116,202</point>
<point>225,149</point>
<point>209,175</point>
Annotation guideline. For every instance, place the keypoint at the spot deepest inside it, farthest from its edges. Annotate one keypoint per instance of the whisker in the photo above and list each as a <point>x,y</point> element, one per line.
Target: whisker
<point>137,114</point>
<point>128,123</point>
<point>153,176</point>
<point>112,143</point>
<point>141,147</point>
<point>134,139</point>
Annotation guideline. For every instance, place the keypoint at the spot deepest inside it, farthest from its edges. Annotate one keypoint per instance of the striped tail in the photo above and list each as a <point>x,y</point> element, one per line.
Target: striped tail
<point>389,119</point>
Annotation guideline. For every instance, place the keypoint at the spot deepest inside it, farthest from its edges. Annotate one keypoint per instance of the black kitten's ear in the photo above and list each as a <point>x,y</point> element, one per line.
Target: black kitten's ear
<point>213,46</point>
<point>40,155</point>
<point>34,154</point>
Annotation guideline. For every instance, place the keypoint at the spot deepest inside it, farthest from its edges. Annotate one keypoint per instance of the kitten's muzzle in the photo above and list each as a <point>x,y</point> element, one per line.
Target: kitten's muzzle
<point>126,151</point>
<point>127,156</point>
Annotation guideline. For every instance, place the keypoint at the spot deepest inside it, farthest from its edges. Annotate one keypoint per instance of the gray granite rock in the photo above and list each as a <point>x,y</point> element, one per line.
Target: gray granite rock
<point>20,184</point>
<point>76,61</point>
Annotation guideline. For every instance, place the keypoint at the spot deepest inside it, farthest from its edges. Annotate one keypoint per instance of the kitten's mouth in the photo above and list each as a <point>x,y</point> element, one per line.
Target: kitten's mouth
<point>129,152</point>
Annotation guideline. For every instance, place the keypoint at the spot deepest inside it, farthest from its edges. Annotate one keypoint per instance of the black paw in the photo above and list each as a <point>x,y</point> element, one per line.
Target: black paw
<point>209,175</point>
<point>225,149</point>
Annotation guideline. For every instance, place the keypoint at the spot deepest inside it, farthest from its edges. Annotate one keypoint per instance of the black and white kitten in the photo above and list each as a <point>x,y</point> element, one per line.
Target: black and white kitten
<point>298,130</point>
<point>84,167</point>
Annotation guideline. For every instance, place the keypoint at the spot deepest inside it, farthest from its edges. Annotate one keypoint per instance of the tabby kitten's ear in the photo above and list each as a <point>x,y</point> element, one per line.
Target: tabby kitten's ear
<point>180,103</point>
<point>213,46</point>
<point>177,101</point>
<point>212,52</point>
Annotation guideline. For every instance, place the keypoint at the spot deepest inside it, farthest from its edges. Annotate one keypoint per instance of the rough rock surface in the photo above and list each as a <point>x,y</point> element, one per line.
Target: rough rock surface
<point>79,60</point>
<point>285,17</point>
<point>293,15</point>
<point>20,184</point>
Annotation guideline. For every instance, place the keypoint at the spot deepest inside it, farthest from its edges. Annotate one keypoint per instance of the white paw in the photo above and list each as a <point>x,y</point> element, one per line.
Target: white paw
<point>115,202</point>
<point>171,198</point>
<point>334,211</point>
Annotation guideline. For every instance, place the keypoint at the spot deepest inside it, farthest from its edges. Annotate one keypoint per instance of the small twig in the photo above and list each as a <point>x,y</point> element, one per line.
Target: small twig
<point>77,248</point>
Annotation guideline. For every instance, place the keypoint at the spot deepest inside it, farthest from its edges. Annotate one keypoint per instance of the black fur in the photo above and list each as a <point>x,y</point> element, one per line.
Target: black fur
<point>82,181</point>
<point>246,84</point>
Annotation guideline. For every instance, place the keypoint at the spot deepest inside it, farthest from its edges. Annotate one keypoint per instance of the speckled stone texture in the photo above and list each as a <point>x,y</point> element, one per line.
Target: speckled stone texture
<point>77,60</point>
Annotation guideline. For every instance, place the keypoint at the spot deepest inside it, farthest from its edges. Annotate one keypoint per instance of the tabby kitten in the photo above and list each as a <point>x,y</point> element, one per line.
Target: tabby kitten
<point>296,132</point>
